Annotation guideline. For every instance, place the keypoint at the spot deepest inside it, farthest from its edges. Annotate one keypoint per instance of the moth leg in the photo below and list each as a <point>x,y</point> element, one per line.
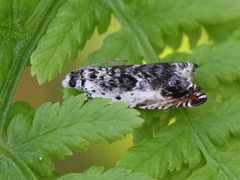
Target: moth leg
<point>164,110</point>
<point>88,97</point>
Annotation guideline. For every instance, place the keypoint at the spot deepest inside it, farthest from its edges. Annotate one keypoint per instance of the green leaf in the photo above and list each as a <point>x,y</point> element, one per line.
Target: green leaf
<point>167,152</point>
<point>180,175</point>
<point>13,16</point>
<point>18,39</point>
<point>218,65</point>
<point>231,160</point>
<point>55,130</point>
<point>16,12</point>
<point>151,25</point>
<point>113,174</point>
<point>192,140</point>
<point>68,92</point>
<point>235,36</point>
<point>7,45</point>
<point>19,107</point>
<point>123,49</point>
<point>67,33</point>
<point>220,32</point>
<point>155,120</point>
<point>11,169</point>
<point>202,143</point>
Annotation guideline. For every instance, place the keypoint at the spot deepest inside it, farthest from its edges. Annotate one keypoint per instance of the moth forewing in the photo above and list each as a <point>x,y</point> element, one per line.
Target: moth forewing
<point>146,86</point>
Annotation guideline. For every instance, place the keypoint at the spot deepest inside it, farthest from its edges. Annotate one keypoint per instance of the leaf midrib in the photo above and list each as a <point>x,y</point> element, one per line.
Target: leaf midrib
<point>207,148</point>
<point>140,37</point>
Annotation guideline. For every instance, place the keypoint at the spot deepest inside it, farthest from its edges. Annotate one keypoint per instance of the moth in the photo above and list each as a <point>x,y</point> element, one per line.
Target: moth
<point>145,86</point>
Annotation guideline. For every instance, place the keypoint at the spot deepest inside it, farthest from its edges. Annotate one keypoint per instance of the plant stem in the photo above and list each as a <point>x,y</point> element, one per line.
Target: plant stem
<point>34,29</point>
<point>140,37</point>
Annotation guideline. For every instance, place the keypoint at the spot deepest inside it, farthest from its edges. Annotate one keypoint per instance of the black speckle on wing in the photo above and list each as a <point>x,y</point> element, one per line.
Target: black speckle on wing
<point>177,89</point>
<point>123,83</point>
<point>124,78</point>
<point>127,82</point>
<point>92,76</point>
<point>155,76</point>
<point>161,75</point>
<point>72,82</point>
<point>118,97</point>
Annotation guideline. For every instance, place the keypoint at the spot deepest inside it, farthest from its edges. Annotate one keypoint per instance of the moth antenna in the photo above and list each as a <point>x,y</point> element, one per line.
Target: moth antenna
<point>105,62</point>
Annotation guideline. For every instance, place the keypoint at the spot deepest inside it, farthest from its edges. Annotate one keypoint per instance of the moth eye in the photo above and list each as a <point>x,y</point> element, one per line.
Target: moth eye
<point>72,83</point>
<point>198,99</point>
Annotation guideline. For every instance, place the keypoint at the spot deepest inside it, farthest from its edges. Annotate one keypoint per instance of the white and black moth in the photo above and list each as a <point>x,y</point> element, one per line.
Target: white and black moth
<point>145,86</point>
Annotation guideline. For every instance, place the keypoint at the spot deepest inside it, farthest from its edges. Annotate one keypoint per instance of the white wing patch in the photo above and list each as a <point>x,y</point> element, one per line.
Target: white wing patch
<point>151,86</point>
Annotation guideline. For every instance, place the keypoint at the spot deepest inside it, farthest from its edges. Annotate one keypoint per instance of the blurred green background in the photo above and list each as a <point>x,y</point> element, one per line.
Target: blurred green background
<point>105,154</point>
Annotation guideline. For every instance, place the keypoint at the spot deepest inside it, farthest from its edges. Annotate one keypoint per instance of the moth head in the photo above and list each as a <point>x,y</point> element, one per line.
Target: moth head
<point>196,98</point>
